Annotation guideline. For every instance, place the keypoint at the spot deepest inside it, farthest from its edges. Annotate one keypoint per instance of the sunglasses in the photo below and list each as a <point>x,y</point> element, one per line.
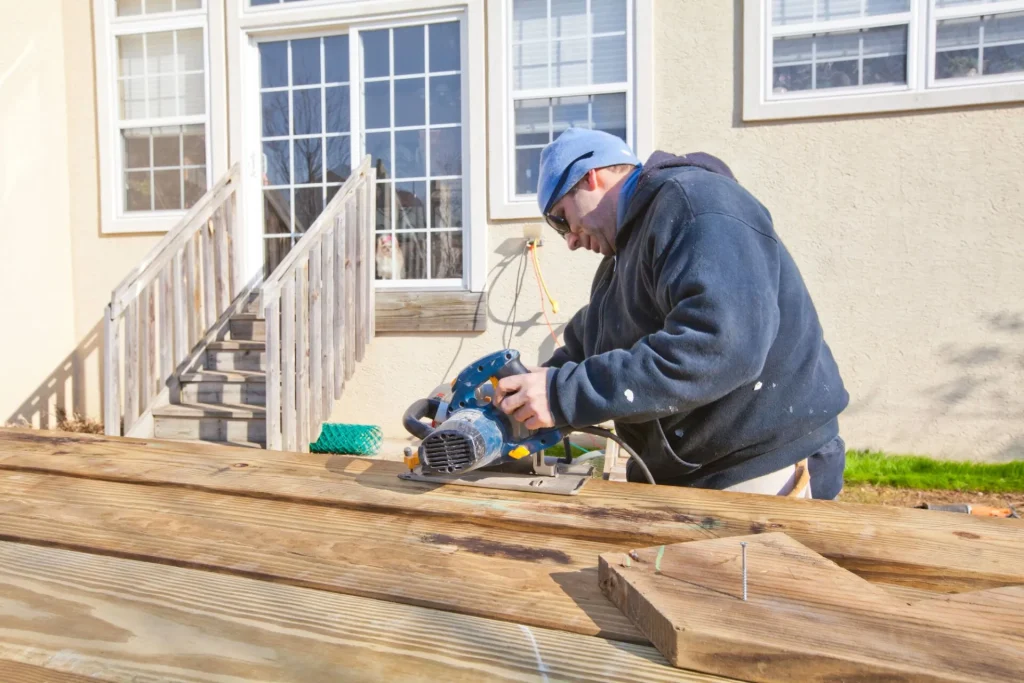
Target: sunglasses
<point>558,223</point>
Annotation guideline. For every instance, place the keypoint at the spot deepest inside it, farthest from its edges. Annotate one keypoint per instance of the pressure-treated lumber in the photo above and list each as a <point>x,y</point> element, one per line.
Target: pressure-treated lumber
<point>115,619</point>
<point>19,672</point>
<point>528,578</point>
<point>804,619</point>
<point>431,311</point>
<point>925,549</point>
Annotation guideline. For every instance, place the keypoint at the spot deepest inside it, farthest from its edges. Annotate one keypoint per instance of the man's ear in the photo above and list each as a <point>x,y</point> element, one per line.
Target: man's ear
<point>592,179</point>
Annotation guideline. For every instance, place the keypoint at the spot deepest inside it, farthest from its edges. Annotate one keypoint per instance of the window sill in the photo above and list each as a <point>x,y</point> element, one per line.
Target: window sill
<point>937,98</point>
<point>404,312</point>
<point>142,224</point>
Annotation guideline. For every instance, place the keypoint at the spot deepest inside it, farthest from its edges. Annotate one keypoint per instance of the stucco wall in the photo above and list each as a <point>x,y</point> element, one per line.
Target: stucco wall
<point>36,306</point>
<point>58,269</point>
<point>908,228</point>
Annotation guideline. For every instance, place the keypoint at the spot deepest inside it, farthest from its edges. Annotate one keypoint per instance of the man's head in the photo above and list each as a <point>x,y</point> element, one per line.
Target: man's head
<point>581,173</point>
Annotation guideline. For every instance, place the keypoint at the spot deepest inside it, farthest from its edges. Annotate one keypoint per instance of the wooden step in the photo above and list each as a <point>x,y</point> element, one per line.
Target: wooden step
<point>248,327</point>
<point>238,387</point>
<point>211,422</point>
<point>236,355</point>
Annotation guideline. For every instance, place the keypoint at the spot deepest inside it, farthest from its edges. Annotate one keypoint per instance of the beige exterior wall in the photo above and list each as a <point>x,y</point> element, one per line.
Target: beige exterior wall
<point>909,230</point>
<point>58,269</point>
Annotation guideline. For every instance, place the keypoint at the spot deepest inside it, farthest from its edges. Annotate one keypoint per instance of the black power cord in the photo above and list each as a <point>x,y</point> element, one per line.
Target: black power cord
<point>608,434</point>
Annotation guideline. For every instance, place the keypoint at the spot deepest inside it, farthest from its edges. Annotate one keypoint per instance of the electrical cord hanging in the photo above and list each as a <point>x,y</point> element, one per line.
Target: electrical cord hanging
<point>510,323</point>
<point>543,288</point>
<point>608,434</point>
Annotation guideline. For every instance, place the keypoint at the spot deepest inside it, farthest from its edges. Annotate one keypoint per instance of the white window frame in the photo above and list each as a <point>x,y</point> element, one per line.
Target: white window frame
<point>921,91</point>
<point>247,26</point>
<point>107,27</point>
<point>504,203</point>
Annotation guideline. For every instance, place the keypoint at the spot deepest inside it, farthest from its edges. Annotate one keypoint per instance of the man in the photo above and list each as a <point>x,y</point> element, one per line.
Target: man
<point>700,340</point>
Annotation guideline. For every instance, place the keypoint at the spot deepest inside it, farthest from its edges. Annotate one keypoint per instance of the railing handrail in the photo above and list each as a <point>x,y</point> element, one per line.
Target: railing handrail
<point>149,267</point>
<point>312,236</point>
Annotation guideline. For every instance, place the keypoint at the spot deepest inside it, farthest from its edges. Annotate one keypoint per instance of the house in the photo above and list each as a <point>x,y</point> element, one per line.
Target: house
<point>885,136</point>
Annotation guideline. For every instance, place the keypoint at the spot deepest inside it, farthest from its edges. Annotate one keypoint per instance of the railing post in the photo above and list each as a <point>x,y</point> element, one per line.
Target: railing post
<point>111,374</point>
<point>302,357</point>
<point>288,363</point>
<point>194,307</point>
<point>342,322</point>
<point>316,413</point>
<point>221,263</point>
<point>206,242</point>
<point>166,321</point>
<point>271,312</point>
<point>329,311</point>
<point>352,258</point>
<point>131,365</point>
<point>367,225</point>
<point>181,343</point>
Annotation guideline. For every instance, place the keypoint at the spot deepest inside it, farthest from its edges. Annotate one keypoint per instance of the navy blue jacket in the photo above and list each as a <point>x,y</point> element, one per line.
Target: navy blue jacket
<point>700,340</point>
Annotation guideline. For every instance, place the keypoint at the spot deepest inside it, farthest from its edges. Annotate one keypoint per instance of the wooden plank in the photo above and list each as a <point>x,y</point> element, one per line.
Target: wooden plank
<point>430,311</point>
<point>529,578</point>
<point>998,611</point>
<point>111,374</point>
<point>360,298</point>
<point>132,402</point>
<point>147,323</point>
<point>343,321</point>
<point>179,318</point>
<point>289,429</point>
<point>367,223</point>
<point>316,410</point>
<point>76,612</point>
<point>273,317</point>
<point>166,333</point>
<point>349,303</point>
<point>192,293</point>
<point>206,245</point>
<point>302,356</point>
<point>19,672</point>
<point>327,348</point>
<point>937,551</point>
<point>804,618</point>
<point>222,264</point>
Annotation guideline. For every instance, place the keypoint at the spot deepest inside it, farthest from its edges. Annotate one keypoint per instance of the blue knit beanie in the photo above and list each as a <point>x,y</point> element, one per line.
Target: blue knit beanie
<point>573,153</point>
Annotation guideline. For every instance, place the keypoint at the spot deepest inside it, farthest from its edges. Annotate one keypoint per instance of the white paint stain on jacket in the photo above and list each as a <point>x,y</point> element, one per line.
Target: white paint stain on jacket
<point>629,395</point>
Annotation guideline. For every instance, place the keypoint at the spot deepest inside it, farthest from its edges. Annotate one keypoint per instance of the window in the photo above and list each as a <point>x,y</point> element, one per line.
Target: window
<point>407,83</point>
<point>820,57</point>
<point>154,111</point>
<point>558,64</point>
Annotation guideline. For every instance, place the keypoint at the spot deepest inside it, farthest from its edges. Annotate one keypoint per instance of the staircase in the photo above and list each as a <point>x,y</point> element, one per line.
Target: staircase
<point>223,399</point>
<point>193,353</point>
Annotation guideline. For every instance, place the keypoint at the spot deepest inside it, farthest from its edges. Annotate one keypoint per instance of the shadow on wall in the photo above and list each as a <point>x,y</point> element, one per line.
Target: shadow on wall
<point>67,387</point>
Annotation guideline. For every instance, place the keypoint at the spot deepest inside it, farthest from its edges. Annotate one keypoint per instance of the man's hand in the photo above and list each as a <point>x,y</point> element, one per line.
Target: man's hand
<point>525,398</point>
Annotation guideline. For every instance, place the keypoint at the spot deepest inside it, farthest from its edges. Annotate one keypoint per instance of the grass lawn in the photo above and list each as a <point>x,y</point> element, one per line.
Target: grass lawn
<point>917,472</point>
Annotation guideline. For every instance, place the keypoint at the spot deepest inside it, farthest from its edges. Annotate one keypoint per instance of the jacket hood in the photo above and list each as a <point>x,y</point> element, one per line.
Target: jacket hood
<point>653,176</point>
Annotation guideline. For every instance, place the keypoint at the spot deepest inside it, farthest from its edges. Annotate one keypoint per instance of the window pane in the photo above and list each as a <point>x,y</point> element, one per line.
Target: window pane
<point>409,50</point>
<point>306,111</point>
<point>411,255</point>
<point>163,96</point>
<point>388,258</point>
<point>188,4</point>
<point>277,163</point>
<point>309,204</point>
<point>339,154</point>
<point>376,53</point>
<point>190,49</point>
<point>445,99</point>
<point>569,112</point>
<point>167,195</point>
<point>336,59</point>
<point>133,98</point>
<point>308,157</point>
<point>138,195</point>
<point>445,47</point>
<point>446,255</point>
<point>569,63</point>
<point>527,163</point>
<point>802,11</point>
<point>275,114</point>
<point>378,146</point>
<point>533,122</point>
<point>193,94</point>
<point>129,7</point>
<point>136,149</point>
<point>960,3</point>
<point>153,6</point>
<point>833,60</point>
<point>608,16</point>
<point>277,213</point>
<point>568,18</point>
<point>306,61</point>
<point>383,206</point>
<point>129,51</point>
<point>160,53</point>
<point>609,114</point>
<point>529,19</point>
<point>446,203</point>
<point>412,205</point>
<point>446,151</point>
<point>193,146</point>
<point>338,112</point>
<point>610,59</point>
<point>274,64</point>
<point>195,185</point>
<point>978,46</point>
<point>410,154</point>
<point>167,149</point>
<point>410,102</point>
<point>378,104</point>
<point>530,65</point>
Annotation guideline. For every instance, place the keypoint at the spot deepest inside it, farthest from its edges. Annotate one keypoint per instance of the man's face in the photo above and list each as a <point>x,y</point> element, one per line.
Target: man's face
<point>583,211</point>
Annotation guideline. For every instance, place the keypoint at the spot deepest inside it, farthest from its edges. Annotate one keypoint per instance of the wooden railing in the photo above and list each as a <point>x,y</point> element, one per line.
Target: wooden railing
<point>168,304</point>
<point>318,304</point>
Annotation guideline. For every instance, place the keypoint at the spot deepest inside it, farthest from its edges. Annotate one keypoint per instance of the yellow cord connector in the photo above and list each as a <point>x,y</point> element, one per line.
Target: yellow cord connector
<point>536,264</point>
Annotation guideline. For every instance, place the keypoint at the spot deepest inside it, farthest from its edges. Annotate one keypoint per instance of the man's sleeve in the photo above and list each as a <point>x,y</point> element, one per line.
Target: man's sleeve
<point>572,348</point>
<point>716,281</point>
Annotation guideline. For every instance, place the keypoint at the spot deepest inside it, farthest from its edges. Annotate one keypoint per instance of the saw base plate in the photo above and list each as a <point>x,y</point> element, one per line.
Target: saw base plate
<point>567,480</point>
